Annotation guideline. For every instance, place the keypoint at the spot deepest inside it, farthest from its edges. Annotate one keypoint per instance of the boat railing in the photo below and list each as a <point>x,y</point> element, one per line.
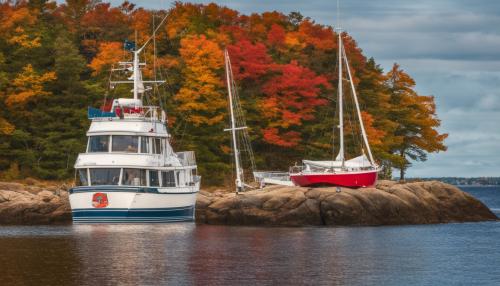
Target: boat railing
<point>277,175</point>
<point>300,169</point>
<point>187,158</point>
<point>151,112</point>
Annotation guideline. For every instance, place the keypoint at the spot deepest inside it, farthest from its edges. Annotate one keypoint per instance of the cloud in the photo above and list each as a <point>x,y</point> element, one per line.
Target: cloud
<point>490,102</point>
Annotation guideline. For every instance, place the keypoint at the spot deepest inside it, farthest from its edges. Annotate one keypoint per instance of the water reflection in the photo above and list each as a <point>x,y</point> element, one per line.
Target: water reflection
<point>44,260</point>
<point>133,254</point>
<point>186,254</point>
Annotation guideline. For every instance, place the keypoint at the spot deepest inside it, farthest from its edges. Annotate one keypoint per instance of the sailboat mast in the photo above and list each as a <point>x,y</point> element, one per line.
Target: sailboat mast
<point>341,110</point>
<point>365,138</point>
<point>239,183</point>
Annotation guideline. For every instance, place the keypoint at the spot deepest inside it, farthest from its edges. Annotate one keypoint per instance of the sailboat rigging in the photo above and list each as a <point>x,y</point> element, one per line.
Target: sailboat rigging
<point>356,172</point>
<point>238,129</point>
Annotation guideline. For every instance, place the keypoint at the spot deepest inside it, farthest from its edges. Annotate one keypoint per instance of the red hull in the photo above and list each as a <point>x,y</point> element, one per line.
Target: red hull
<point>350,180</point>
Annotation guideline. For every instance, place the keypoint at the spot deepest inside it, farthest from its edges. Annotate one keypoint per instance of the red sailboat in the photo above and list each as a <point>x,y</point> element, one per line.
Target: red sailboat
<point>360,171</point>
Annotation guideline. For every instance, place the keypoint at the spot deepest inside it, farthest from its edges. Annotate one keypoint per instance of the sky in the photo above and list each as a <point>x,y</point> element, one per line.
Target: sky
<point>450,47</point>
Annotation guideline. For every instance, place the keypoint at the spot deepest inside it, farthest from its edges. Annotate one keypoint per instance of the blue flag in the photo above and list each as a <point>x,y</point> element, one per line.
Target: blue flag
<point>129,46</point>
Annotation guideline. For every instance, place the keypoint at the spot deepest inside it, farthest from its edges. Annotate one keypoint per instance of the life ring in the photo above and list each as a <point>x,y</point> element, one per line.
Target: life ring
<point>100,200</point>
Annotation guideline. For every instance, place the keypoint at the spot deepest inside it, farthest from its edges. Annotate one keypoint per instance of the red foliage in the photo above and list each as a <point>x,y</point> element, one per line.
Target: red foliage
<point>317,35</point>
<point>288,139</point>
<point>276,35</point>
<point>103,19</point>
<point>292,98</point>
<point>249,61</point>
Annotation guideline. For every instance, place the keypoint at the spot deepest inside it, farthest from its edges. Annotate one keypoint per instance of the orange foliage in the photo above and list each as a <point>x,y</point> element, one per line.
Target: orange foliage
<point>109,53</point>
<point>312,34</point>
<point>201,95</point>
<point>374,135</point>
<point>5,127</point>
<point>140,22</point>
<point>13,26</point>
<point>28,84</point>
<point>180,18</point>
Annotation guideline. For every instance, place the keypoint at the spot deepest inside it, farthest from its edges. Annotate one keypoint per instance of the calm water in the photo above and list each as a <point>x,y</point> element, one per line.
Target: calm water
<point>185,254</point>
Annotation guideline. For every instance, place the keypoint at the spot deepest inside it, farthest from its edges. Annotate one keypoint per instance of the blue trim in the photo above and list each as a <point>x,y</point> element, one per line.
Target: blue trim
<point>97,113</point>
<point>121,215</point>
<point>122,189</point>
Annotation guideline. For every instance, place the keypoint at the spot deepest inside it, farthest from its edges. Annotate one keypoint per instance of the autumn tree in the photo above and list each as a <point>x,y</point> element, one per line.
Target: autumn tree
<point>416,121</point>
<point>201,101</point>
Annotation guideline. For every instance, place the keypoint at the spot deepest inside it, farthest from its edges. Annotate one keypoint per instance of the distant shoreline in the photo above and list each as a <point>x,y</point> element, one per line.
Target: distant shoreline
<point>460,181</point>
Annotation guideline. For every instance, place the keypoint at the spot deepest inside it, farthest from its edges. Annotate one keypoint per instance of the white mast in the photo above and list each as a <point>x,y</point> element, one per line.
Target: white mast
<point>340,156</point>
<point>136,74</point>
<point>365,138</point>
<point>239,182</point>
<point>138,83</point>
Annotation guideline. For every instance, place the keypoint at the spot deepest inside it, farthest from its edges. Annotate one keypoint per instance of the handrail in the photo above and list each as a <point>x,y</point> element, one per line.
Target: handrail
<point>152,112</point>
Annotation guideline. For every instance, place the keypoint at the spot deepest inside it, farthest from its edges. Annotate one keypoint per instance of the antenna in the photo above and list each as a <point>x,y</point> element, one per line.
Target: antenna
<point>338,14</point>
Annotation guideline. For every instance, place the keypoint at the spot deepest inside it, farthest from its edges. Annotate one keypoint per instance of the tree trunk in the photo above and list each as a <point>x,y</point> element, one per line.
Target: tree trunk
<point>402,169</point>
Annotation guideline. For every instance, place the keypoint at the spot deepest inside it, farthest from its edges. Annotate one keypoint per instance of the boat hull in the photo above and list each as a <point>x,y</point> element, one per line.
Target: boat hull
<point>348,179</point>
<point>130,205</point>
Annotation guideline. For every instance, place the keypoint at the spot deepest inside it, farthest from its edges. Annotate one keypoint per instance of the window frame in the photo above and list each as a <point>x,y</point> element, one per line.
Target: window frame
<point>158,178</point>
<point>90,177</point>
<point>124,151</point>
<point>164,179</point>
<point>148,140</point>
<point>78,177</point>
<point>90,139</point>
<point>141,184</point>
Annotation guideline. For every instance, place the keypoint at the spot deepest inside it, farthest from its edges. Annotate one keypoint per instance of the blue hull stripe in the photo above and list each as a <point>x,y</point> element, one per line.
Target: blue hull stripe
<point>129,222</point>
<point>134,215</point>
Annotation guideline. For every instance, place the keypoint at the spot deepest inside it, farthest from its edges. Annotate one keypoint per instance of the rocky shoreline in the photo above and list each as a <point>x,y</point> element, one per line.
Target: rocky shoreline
<point>390,203</point>
<point>30,204</point>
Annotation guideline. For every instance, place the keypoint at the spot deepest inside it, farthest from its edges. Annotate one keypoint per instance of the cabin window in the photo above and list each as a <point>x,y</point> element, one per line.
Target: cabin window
<point>157,146</point>
<point>168,179</point>
<point>81,178</point>
<point>104,176</point>
<point>153,178</point>
<point>99,143</point>
<point>145,144</point>
<point>125,143</point>
<point>134,177</point>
